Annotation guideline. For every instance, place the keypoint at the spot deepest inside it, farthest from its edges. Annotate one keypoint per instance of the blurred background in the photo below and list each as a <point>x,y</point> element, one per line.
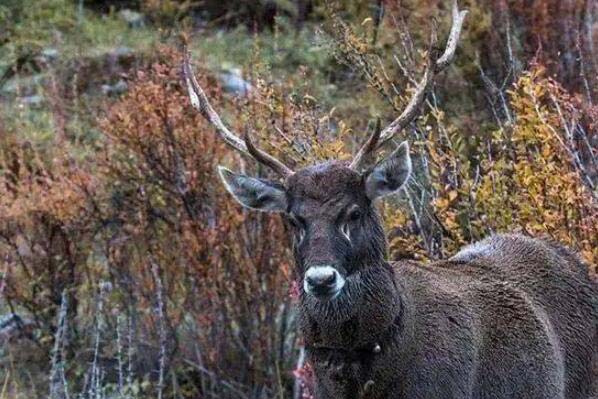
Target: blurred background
<point>126,271</point>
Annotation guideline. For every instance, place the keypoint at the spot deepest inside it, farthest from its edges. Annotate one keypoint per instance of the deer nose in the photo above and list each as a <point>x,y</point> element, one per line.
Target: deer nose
<point>324,282</point>
<point>320,278</point>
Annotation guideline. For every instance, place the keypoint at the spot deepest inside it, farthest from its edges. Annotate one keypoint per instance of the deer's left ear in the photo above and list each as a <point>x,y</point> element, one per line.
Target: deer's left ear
<point>390,174</point>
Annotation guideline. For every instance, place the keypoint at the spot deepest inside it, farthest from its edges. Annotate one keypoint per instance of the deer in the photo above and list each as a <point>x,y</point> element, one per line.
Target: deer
<point>510,316</point>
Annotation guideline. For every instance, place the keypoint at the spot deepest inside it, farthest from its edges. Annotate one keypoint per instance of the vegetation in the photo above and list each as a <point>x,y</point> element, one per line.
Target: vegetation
<point>128,272</point>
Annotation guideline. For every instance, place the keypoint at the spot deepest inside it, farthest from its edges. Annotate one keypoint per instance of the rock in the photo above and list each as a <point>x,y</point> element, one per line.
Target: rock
<point>49,54</point>
<point>32,101</point>
<point>133,18</point>
<point>24,86</point>
<point>233,82</point>
<point>123,52</point>
<point>116,89</point>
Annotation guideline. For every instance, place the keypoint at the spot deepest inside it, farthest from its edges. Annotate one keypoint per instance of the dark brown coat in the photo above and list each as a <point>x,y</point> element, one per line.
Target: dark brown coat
<point>508,317</point>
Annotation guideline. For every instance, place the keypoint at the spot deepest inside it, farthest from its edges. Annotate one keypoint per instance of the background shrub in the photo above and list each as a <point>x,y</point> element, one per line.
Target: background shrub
<point>127,270</point>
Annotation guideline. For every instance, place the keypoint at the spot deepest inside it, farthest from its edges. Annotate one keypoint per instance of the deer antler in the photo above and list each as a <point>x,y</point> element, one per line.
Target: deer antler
<point>200,102</point>
<point>434,65</point>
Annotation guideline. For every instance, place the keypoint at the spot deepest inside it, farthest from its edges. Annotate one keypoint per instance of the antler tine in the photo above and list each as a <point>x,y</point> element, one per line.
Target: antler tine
<point>266,159</point>
<point>368,148</point>
<point>434,65</point>
<point>200,102</point>
<point>451,45</point>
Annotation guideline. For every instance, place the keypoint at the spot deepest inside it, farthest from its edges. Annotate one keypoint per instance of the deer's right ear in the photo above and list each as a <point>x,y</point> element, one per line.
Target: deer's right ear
<point>254,193</point>
<point>390,174</point>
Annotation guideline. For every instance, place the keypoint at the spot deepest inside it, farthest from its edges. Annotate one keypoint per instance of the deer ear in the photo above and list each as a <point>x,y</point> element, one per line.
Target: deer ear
<point>390,174</point>
<point>254,193</point>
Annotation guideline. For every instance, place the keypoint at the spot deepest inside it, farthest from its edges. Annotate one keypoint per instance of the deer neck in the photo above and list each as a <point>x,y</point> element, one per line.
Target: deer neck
<point>371,308</point>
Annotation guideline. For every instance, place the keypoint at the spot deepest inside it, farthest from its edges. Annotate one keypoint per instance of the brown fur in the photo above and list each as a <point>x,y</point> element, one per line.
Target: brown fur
<point>509,317</point>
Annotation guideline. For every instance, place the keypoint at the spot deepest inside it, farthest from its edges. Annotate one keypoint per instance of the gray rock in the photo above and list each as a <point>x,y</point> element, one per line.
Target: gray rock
<point>32,101</point>
<point>232,82</point>
<point>116,89</point>
<point>50,54</point>
<point>23,86</point>
<point>133,18</point>
<point>123,52</point>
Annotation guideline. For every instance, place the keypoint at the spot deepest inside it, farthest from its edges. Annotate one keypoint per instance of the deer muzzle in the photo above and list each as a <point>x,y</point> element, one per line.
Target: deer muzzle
<point>324,282</point>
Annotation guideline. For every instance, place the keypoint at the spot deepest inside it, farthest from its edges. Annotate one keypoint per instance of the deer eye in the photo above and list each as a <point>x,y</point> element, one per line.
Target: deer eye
<point>354,215</point>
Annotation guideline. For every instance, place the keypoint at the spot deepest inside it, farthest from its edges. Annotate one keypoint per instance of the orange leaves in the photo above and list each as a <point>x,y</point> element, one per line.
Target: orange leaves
<point>146,197</point>
<point>222,263</point>
<point>57,188</point>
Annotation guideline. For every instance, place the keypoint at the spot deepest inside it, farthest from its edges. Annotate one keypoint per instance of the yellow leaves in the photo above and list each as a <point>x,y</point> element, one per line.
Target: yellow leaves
<point>330,150</point>
<point>544,194</point>
<point>451,222</point>
<point>447,199</point>
<point>526,180</point>
<point>393,217</point>
<point>407,247</point>
<point>452,195</point>
<point>441,203</point>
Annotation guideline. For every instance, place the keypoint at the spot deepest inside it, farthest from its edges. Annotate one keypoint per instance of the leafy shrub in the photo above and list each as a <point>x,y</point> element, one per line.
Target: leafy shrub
<point>143,278</point>
<point>476,180</point>
<point>151,243</point>
<point>526,177</point>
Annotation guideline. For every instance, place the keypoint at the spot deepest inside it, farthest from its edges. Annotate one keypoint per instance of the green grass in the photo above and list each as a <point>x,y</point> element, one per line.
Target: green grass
<point>282,55</point>
<point>59,24</point>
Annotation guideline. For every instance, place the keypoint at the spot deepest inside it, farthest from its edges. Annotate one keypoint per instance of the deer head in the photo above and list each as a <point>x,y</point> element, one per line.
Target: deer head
<point>337,231</point>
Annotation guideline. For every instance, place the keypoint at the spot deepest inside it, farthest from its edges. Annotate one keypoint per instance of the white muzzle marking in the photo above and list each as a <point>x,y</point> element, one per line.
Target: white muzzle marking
<point>321,273</point>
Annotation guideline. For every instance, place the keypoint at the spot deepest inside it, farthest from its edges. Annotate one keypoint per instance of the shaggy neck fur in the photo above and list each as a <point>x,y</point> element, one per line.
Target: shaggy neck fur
<point>367,307</point>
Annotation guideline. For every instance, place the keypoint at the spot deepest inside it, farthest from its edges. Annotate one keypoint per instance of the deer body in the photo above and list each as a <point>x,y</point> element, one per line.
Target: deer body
<point>519,322</point>
<point>509,317</point>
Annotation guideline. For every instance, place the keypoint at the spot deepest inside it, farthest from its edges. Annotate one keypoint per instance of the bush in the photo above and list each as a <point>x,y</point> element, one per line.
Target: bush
<point>526,177</point>
<point>225,272</point>
<point>136,275</point>
<point>150,246</point>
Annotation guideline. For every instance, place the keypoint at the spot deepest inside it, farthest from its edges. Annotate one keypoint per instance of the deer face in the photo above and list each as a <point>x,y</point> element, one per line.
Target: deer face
<point>329,206</point>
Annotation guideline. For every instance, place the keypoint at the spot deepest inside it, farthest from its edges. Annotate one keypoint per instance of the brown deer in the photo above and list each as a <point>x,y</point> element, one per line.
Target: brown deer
<point>508,317</point>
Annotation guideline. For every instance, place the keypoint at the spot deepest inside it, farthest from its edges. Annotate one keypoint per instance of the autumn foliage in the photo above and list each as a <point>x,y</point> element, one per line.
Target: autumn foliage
<point>151,235</point>
<point>136,273</point>
<point>527,177</point>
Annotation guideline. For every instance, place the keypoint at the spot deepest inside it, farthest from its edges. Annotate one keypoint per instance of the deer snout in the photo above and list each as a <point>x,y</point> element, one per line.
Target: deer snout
<point>323,282</point>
